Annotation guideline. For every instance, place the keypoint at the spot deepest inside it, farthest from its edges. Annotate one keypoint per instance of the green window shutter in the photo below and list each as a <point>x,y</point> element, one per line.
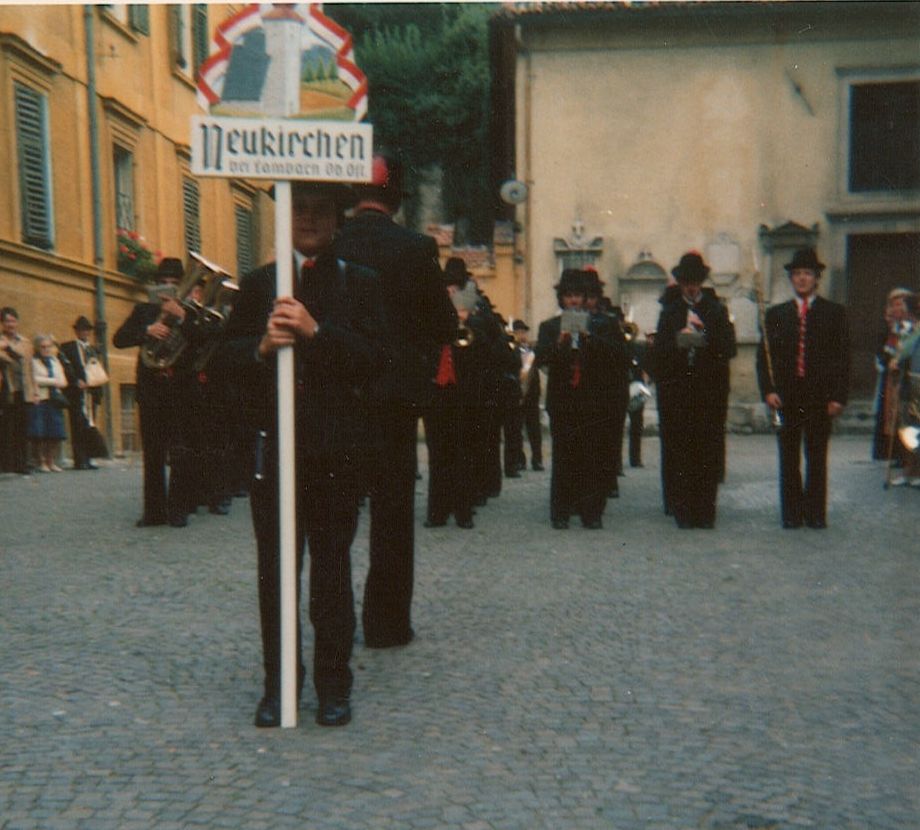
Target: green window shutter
<point>244,240</point>
<point>200,39</point>
<point>139,18</point>
<point>34,167</point>
<point>176,36</point>
<point>190,205</point>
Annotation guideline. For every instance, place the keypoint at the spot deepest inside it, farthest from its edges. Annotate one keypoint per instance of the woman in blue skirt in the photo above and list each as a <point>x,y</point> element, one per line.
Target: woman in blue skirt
<point>46,419</point>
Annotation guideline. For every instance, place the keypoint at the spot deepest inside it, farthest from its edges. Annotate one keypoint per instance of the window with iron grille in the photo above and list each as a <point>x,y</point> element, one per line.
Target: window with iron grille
<point>884,136</point>
<point>34,166</point>
<point>124,188</point>
<point>190,203</point>
<point>245,241</point>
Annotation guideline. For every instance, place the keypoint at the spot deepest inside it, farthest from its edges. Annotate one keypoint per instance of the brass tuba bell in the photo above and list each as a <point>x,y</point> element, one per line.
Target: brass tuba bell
<point>208,310</point>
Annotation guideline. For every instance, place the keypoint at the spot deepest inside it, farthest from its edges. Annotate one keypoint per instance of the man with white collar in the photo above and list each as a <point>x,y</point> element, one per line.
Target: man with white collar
<point>806,379</point>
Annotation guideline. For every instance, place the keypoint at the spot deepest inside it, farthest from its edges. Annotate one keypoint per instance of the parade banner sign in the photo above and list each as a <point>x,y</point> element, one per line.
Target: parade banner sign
<point>284,98</point>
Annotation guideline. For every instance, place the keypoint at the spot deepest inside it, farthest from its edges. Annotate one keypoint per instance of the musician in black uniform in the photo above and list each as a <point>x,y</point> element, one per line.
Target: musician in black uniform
<point>420,319</point>
<point>692,345</point>
<point>335,323</point>
<point>82,399</point>
<point>155,393</point>
<point>576,400</point>
<point>807,381</point>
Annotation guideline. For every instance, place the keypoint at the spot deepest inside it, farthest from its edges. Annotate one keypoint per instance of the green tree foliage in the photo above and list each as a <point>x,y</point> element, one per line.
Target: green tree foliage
<point>428,70</point>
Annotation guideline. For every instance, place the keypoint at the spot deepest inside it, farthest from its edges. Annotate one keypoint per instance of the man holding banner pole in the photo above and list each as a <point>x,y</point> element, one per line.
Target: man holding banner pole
<point>331,325</point>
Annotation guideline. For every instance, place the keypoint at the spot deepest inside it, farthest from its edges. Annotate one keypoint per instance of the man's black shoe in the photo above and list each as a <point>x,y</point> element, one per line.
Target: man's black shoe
<point>594,524</point>
<point>466,524</point>
<point>512,474</point>
<point>389,642</point>
<point>791,525</point>
<point>268,712</point>
<point>537,466</point>
<point>221,508</point>
<point>817,524</point>
<point>142,522</point>
<point>435,522</point>
<point>334,711</point>
<point>560,524</point>
<point>178,520</point>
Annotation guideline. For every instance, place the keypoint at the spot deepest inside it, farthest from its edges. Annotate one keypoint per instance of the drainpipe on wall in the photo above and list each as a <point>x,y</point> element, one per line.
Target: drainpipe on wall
<point>98,256</point>
<point>528,175</point>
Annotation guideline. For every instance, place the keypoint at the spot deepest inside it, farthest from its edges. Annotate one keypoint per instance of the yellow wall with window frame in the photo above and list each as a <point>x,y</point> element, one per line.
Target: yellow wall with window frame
<point>145,99</point>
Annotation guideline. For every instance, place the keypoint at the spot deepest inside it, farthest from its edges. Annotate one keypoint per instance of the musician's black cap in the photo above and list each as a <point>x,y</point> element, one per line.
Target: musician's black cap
<point>805,258</point>
<point>691,269</point>
<point>170,268</point>
<point>82,324</point>
<point>519,325</point>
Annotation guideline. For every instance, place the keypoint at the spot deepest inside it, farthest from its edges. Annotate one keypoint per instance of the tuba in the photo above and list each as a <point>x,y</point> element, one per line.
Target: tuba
<point>207,308</point>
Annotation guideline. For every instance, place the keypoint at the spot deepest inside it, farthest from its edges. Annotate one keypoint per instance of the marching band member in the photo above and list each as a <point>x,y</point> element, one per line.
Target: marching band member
<point>809,348</point>
<point>577,351</point>
<point>335,323</point>
<point>693,343</point>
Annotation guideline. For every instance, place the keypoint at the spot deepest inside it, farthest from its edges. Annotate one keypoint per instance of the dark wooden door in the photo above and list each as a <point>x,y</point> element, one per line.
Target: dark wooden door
<point>876,263</point>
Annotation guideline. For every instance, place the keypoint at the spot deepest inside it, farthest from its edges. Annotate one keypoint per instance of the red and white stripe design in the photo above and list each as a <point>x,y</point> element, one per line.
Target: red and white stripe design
<point>212,72</point>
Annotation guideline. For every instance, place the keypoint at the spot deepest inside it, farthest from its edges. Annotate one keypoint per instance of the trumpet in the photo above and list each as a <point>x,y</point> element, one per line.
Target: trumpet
<point>464,337</point>
<point>630,330</point>
<point>208,311</point>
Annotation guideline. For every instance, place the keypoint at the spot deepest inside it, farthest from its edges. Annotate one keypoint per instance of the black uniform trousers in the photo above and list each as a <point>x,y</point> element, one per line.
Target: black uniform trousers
<point>157,415</point>
<point>636,427</point>
<point>327,518</point>
<point>512,429</point>
<point>577,486</point>
<point>452,432</point>
<point>692,438</point>
<point>805,423</point>
<point>386,616</point>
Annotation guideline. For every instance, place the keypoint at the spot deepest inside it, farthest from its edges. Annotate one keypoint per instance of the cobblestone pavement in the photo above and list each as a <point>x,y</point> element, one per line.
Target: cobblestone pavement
<point>634,677</point>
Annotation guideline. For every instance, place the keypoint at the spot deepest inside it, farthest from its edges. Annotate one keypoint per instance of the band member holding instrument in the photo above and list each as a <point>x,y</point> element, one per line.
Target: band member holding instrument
<point>693,343</point>
<point>898,325</point>
<point>336,325</point>
<point>454,423</point>
<point>809,353</point>
<point>155,389</point>
<point>420,319</point>
<point>577,350</point>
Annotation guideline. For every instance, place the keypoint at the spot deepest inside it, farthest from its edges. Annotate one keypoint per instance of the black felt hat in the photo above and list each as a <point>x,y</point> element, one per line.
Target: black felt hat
<point>456,272</point>
<point>82,324</point>
<point>805,258</point>
<point>170,268</point>
<point>572,281</point>
<point>691,268</point>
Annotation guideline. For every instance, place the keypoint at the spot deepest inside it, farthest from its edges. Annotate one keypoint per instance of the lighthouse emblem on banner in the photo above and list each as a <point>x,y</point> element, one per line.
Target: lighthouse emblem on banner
<point>284,98</point>
<point>247,75</point>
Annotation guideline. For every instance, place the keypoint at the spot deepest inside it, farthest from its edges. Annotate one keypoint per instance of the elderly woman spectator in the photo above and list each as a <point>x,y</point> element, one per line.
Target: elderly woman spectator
<point>46,416</point>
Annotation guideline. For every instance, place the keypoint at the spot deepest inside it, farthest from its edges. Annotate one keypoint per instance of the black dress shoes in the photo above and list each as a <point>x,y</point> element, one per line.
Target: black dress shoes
<point>537,467</point>
<point>817,524</point>
<point>333,711</point>
<point>594,524</point>
<point>560,524</point>
<point>466,524</point>
<point>435,522</point>
<point>144,522</point>
<point>178,520</point>
<point>268,712</point>
<point>512,474</point>
<point>220,508</point>
<point>789,524</point>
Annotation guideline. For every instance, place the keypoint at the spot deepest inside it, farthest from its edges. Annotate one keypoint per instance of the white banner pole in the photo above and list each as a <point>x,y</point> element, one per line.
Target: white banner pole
<point>287,496</point>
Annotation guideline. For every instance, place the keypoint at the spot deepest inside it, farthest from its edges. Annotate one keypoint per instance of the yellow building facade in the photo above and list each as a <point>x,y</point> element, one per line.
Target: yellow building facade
<point>95,105</point>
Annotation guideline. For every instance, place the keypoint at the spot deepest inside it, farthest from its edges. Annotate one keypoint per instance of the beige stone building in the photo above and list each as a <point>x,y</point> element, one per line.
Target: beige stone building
<point>95,103</point>
<point>742,130</point>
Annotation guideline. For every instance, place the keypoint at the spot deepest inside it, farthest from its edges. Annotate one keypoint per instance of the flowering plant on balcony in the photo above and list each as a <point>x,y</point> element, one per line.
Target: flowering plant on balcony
<point>135,255</point>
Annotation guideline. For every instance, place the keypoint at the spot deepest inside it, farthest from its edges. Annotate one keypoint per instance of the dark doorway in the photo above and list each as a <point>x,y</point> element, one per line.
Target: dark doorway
<point>876,263</point>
